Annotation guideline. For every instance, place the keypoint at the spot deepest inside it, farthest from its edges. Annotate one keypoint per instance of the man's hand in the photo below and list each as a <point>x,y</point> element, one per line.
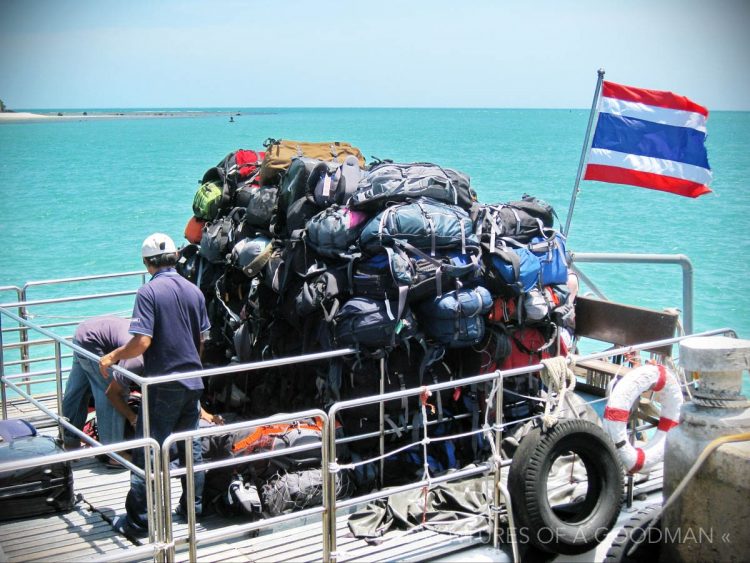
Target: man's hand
<point>104,364</point>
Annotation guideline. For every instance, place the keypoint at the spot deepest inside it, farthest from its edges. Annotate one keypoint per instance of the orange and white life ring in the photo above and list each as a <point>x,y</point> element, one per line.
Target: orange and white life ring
<point>624,395</point>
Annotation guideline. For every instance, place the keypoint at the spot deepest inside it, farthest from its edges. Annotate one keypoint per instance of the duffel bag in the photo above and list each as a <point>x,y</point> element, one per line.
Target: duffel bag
<point>425,224</point>
<point>279,155</point>
<point>456,319</point>
<point>388,182</point>
<point>333,231</point>
<point>372,323</point>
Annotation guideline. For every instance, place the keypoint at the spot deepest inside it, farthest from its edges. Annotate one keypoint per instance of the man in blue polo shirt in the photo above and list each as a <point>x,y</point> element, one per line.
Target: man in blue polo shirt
<point>168,324</point>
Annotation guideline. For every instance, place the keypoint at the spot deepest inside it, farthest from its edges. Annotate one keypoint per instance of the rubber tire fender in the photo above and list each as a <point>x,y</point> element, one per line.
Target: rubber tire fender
<point>536,522</point>
<point>636,533</point>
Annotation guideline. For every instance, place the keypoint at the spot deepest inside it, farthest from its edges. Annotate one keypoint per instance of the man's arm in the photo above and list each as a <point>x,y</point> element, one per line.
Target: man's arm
<point>135,347</point>
<point>115,393</point>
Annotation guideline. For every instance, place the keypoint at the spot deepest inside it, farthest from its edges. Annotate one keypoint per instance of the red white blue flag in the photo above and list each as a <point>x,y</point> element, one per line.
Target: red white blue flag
<point>650,139</point>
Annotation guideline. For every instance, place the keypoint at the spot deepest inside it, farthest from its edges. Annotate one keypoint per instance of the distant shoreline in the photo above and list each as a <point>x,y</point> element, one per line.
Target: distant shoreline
<point>26,117</point>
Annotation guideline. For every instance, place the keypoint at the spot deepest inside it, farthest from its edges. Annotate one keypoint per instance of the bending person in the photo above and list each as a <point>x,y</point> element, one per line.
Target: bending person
<point>100,336</point>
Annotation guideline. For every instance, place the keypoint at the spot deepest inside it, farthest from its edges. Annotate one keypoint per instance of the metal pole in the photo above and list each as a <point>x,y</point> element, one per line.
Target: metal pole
<point>585,150</point>
<point>381,426</point>
<point>23,336</point>
<point>3,392</point>
<point>190,498</point>
<point>58,382</point>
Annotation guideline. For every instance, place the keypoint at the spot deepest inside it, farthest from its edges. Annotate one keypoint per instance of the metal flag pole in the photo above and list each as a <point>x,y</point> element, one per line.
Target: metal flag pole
<point>585,150</point>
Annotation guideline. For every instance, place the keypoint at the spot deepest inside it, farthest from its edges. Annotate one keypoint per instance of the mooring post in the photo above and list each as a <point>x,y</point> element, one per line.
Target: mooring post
<point>708,520</point>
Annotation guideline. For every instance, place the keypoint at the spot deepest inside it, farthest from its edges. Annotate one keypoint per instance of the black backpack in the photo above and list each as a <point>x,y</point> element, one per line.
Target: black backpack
<point>388,182</point>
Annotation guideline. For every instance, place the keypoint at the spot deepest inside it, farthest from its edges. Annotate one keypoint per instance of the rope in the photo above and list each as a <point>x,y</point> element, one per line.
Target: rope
<point>559,379</point>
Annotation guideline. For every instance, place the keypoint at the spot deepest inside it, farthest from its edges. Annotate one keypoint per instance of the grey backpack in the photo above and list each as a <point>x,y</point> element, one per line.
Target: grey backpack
<point>334,231</point>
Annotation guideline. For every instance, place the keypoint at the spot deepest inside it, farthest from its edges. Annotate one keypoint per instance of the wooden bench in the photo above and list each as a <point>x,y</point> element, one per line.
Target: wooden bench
<point>618,325</point>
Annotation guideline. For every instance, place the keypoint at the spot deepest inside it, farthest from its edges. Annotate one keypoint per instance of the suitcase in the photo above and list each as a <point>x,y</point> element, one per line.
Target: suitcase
<point>31,491</point>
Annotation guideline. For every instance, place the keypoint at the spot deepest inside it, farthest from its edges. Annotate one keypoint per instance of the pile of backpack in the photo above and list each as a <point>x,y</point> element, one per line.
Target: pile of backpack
<point>303,248</point>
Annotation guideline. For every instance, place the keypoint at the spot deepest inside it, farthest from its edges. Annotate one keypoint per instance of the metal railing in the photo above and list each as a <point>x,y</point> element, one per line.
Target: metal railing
<point>628,258</point>
<point>158,490</point>
<point>22,304</point>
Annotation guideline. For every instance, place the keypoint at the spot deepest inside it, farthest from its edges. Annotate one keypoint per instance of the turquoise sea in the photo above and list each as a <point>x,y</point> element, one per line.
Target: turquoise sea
<point>79,196</point>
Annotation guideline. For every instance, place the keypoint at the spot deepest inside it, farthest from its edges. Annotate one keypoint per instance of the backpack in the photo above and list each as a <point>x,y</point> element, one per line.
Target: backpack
<point>261,203</point>
<point>279,155</point>
<point>235,170</point>
<point>426,224</point>
<point>293,187</point>
<point>371,323</point>
<point>218,237</point>
<point>274,437</point>
<point>207,201</point>
<point>327,181</point>
<point>456,319</point>
<point>511,271</point>
<point>334,230</point>
<point>194,230</point>
<point>388,182</point>
<point>552,259</point>
<point>246,251</point>
<point>519,221</point>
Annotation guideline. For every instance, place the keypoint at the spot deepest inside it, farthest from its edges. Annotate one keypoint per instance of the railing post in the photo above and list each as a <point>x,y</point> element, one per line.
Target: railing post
<point>23,337</point>
<point>3,392</point>
<point>58,383</point>
<point>329,488</point>
<point>166,491</point>
<point>190,498</point>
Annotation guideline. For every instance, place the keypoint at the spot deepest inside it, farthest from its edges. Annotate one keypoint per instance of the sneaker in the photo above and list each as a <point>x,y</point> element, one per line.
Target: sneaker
<point>180,513</point>
<point>123,526</point>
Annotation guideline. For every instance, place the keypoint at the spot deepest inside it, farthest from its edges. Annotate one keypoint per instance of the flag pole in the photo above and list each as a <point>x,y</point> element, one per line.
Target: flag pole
<point>585,150</point>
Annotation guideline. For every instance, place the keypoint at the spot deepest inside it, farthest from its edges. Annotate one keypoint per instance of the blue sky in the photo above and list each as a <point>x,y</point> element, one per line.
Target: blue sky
<point>420,53</point>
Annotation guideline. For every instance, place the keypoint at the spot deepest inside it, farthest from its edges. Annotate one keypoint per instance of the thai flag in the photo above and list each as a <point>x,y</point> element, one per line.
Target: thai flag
<point>650,139</point>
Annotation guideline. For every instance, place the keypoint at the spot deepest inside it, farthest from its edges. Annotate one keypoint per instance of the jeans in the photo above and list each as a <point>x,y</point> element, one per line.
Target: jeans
<point>75,402</point>
<point>84,375</point>
<point>172,408</point>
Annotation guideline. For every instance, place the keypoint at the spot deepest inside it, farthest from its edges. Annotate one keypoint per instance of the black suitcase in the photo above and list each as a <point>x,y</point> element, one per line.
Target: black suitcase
<point>41,489</point>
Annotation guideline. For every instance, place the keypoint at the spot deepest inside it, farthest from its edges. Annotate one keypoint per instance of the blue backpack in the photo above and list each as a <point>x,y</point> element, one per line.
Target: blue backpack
<point>456,319</point>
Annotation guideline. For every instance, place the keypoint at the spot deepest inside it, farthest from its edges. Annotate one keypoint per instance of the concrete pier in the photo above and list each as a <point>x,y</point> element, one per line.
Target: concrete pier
<point>710,519</point>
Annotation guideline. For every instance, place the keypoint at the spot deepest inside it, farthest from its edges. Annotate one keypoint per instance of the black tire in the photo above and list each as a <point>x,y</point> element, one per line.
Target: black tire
<point>636,533</point>
<point>577,527</point>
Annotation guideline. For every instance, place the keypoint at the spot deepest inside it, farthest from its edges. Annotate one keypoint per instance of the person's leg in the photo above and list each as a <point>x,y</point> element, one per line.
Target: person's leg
<point>111,424</point>
<point>75,401</point>
<point>189,421</point>
<point>165,408</point>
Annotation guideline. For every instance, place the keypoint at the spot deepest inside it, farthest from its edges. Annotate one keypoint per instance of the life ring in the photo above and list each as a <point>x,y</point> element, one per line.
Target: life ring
<point>624,395</point>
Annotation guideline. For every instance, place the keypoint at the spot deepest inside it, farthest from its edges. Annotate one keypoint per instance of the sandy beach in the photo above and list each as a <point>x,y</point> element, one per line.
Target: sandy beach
<point>27,117</point>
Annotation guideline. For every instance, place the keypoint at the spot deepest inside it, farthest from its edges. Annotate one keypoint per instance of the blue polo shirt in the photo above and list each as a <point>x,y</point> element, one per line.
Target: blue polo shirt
<point>172,311</point>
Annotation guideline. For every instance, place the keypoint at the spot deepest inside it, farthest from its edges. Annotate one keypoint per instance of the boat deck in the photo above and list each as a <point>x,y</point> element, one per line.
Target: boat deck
<point>85,533</point>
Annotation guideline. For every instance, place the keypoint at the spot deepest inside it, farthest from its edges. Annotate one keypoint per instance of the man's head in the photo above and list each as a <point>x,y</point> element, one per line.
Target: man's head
<point>159,251</point>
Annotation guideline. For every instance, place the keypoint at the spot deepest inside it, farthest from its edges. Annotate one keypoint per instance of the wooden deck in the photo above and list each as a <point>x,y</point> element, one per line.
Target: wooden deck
<point>86,533</point>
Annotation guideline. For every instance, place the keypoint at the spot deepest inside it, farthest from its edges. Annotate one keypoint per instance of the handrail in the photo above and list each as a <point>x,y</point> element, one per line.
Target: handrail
<point>190,469</point>
<point>329,441</point>
<point>632,258</point>
<point>328,445</point>
<point>154,508</point>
